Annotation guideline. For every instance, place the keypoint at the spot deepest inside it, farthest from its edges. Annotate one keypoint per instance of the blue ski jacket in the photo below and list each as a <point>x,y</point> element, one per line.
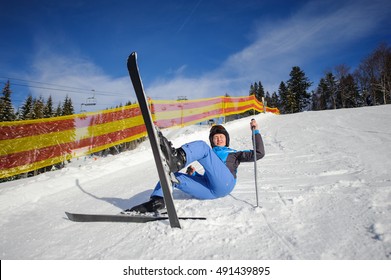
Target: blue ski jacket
<point>232,158</point>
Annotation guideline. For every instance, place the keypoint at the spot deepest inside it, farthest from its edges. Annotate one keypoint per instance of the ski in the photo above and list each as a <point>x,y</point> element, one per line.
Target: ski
<point>161,165</point>
<point>122,218</point>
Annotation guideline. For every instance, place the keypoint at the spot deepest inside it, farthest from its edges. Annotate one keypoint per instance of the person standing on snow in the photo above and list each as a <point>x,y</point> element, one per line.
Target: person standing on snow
<point>220,164</point>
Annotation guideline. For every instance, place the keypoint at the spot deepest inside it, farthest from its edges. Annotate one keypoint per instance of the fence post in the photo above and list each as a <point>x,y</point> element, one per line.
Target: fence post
<point>223,104</point>
<point>264,105</point>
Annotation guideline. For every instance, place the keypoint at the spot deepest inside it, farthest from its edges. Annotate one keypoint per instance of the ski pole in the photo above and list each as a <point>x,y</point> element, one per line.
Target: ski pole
<point>255,162</point>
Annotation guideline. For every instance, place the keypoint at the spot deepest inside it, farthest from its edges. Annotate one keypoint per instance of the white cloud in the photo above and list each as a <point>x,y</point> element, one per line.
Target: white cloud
<point>206,86</point>
<point>310,35</point>
<point>61,75</point>
<point>306,38</point>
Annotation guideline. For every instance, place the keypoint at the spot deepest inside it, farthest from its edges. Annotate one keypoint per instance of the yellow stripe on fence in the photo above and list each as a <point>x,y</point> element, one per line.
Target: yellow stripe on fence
<point>56,138</point>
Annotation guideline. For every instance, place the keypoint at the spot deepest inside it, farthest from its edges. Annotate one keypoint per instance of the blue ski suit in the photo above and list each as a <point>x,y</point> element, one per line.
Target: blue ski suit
<point>220,165</point>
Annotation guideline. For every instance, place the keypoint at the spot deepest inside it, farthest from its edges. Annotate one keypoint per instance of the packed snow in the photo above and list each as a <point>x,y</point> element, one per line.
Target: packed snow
<point>324,193</point>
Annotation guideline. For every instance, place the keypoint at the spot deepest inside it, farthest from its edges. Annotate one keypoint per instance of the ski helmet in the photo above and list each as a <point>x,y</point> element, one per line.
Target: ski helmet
<point>218,129</point>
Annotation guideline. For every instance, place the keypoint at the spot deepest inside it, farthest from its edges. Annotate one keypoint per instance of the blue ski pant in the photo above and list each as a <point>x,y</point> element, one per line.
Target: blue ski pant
<point>217,181</point>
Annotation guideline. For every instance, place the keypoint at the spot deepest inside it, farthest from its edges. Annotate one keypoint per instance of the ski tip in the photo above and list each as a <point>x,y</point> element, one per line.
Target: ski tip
<point>133,54</point>
<point>69,215</point>
<point>132,60</point>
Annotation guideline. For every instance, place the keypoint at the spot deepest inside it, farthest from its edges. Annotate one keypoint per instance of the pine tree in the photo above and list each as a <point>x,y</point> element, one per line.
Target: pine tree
<point>272,101</point>
<point>257,90</point>
<point>253,89</point>
<point>268,99</point>
<point>297,86</point>
<point>67,108</point>
<point>326,94</point>
<point>38,108</point>
<point>319,98</point>
<point>7,112</point>
<point>260,93</point>
<point>58,111</point>
<point>48,111</point>
<point>350,96</point>
<point>341,71</point>
<point>315,101</point>
<point>283,93</point>
<point>2,108</point>
<point>26,111</point>
<point>275,101</point>
<point>331,93</point>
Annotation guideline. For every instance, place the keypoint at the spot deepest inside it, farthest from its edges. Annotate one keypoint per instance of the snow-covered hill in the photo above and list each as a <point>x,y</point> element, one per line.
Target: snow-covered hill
<point>324,192</point>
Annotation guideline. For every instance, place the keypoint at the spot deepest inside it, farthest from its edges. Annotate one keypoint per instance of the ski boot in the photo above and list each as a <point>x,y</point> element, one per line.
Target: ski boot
<point>176,158</point>
<point>154,205</point>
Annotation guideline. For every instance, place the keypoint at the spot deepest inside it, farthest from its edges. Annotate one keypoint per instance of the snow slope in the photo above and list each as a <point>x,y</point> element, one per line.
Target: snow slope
<point>324,191</point>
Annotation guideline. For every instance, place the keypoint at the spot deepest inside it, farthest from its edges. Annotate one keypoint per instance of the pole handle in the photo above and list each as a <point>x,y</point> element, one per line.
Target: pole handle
<point>253,126</point>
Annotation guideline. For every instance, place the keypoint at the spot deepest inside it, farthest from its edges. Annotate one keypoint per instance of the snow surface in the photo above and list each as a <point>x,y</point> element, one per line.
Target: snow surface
<point>324,193</point>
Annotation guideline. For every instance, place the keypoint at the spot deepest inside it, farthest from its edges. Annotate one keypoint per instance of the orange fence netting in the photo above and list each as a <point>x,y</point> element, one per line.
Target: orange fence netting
<point>33,144</point>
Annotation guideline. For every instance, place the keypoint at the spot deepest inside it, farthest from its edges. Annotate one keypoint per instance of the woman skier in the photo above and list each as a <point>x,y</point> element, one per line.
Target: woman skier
<point>220,164</point>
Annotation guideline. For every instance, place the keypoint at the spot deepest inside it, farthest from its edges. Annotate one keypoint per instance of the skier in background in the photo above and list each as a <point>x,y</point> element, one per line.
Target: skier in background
<point>220,164</point>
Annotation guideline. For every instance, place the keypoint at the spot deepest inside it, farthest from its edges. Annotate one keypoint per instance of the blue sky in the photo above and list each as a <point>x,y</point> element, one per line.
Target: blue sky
<point>193,48</point>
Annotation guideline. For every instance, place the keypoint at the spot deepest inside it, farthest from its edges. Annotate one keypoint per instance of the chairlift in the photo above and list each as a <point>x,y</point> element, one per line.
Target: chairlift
<point>90,101</point>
